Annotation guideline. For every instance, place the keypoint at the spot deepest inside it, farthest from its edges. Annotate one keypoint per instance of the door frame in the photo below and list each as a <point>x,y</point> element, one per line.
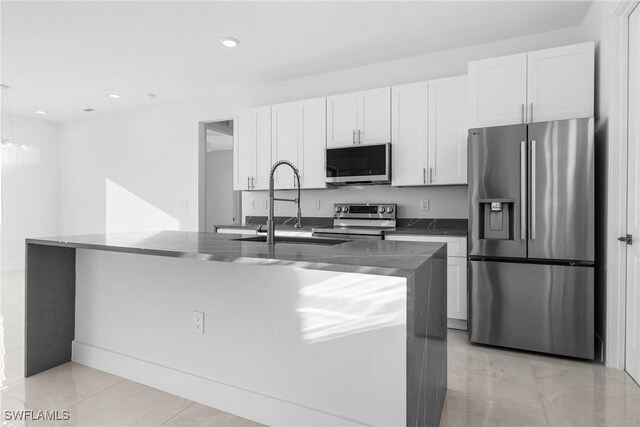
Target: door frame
<point>616,264</point>
<point>202,171</point>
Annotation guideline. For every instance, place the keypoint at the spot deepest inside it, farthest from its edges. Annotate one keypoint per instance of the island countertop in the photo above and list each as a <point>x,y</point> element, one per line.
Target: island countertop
<point>419,366</point>
<point>357,256</point>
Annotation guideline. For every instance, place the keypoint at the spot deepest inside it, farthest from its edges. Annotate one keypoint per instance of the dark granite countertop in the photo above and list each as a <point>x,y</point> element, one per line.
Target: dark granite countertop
<point>358,256</point>
<point>420,226</point>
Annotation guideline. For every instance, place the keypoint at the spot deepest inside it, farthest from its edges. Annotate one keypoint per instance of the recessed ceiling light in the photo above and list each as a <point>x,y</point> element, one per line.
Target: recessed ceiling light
<point>40,112</point>
<point>114,96</point>
<point>229,41</point>
<point>88,110</point>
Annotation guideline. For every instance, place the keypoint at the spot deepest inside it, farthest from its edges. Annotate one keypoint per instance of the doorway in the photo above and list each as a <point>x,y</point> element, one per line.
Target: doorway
<point>632,347</point>
<point>222,205</point>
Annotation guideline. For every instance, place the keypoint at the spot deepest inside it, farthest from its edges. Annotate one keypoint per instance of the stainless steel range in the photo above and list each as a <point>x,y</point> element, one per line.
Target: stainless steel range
<point>360,221</point>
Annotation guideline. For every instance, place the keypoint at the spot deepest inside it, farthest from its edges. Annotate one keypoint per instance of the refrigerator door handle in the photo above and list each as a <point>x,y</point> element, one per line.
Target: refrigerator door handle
<point>533,190</point>
<point>523,189</point>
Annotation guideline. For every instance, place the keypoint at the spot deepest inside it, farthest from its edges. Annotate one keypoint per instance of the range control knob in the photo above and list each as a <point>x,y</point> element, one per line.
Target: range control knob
<point>380,209</point>
<point>389,209</point>
<point>345,209</point>
<point>338,209</point>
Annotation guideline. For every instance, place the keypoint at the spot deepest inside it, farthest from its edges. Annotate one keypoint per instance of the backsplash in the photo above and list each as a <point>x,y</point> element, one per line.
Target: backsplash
<point>444,202</point>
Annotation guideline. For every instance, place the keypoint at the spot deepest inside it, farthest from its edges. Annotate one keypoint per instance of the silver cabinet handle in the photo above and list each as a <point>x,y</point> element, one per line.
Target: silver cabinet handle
<point>532,174</point>
<point>531,112</point>
<point>359,135</point>
<point>424,175</point>
<point>523,189</point>
<point>354,137</point>
<point>253,185</point>
<point>522,105</point>
<point>248,185</point>
<point>430,175</point>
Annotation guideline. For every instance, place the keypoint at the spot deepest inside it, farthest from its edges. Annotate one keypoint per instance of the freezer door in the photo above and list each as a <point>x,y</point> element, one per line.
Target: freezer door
<point>561,204</point>
<point>497,173</point>
<point>537,307</point>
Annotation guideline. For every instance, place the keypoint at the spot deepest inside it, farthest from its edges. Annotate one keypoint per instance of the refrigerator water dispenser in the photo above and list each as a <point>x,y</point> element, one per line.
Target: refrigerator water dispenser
<point>496,219</point>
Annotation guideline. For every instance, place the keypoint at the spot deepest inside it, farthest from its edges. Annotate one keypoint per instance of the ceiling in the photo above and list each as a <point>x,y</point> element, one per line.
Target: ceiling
<point>62,57</point>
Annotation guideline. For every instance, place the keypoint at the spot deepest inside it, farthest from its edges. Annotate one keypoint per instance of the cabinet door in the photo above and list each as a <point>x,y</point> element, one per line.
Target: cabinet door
<point>447,131</point>
<point>374,116</point>
<point>497,91</point>
<point>457,288</point>
<point>312,142</point>
<point>262,148</point>
<point>409,139</point>
<point>342,120</point>
<point>242,150</point>
<point>284,142</point>
<point>561,83</point>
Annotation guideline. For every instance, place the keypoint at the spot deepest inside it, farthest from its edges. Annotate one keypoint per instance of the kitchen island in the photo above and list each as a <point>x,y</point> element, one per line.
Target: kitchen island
<point>294,334</point>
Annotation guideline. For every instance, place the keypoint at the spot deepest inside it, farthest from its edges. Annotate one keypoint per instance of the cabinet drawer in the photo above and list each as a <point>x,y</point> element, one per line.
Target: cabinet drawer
<point>456,245</point>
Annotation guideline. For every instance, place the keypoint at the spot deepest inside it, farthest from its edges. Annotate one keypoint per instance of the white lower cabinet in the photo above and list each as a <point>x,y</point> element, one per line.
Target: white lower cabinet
<point>456,274</point>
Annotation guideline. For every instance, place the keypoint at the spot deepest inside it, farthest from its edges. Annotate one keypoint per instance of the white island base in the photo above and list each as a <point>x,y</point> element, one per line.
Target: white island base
<point>281,345</point>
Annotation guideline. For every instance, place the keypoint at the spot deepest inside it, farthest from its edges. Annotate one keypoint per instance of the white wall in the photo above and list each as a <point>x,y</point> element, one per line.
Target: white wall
<point>154,153</point>
<point>219,188</point>
<point>30,193</point>
<point>609,298</point>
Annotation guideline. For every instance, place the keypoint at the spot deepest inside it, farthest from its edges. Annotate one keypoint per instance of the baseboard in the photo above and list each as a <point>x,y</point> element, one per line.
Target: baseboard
<point>457,324</point>
<point>225,397</point>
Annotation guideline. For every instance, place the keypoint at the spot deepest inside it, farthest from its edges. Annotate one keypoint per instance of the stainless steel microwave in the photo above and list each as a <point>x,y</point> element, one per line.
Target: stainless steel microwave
<point>360,164</point>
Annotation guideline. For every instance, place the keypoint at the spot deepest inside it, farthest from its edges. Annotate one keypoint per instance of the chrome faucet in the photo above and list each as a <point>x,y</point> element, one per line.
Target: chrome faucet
<point>271,229</point>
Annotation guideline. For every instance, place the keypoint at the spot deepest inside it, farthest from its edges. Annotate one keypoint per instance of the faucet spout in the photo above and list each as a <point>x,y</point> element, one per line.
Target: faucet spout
<point>270,221</point>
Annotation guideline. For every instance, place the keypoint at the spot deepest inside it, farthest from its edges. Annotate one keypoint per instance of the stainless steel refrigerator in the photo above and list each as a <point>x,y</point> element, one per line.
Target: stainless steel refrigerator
<point>531,237</point>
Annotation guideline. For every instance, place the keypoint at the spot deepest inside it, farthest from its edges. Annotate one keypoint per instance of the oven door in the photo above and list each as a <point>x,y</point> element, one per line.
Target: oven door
<point>360,164</point>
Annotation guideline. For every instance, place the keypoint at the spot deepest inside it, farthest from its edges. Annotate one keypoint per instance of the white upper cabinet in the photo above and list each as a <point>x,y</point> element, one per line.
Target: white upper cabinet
<point>312,142</point>
<point>409,139</point>
<point>252,149</point>
<point>561,83</point>
<point>342,120</point>
<point>374,116</point>
<point>447,140</point>
<point>544,85</point>
<point>429,140</point>
<point>359,118</point>
<point>497,91</point>
<point>284,140</point>
<point>299,136</point>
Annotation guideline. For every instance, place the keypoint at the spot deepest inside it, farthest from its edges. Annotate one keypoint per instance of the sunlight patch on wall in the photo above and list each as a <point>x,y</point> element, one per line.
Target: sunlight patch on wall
<point>348,304</point>
<point>126,211</point>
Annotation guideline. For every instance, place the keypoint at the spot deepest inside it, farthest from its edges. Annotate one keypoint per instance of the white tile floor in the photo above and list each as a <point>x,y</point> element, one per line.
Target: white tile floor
<point>487,387</point>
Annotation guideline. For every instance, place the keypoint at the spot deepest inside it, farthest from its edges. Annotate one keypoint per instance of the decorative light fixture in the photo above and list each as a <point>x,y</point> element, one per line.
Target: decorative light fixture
<point>229,41</point>
<point>15,151</point>
<point>114,96</point>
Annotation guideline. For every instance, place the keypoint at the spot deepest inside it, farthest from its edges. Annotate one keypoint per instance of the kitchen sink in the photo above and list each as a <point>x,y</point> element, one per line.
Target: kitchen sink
<point>294,239</point>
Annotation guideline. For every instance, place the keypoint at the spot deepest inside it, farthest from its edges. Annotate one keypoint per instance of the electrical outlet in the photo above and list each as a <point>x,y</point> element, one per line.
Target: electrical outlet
<point>198,322</point>
<point>424,204</point>
<point>264,205</point>
<point>184,204</point>
<point>316,205</point>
